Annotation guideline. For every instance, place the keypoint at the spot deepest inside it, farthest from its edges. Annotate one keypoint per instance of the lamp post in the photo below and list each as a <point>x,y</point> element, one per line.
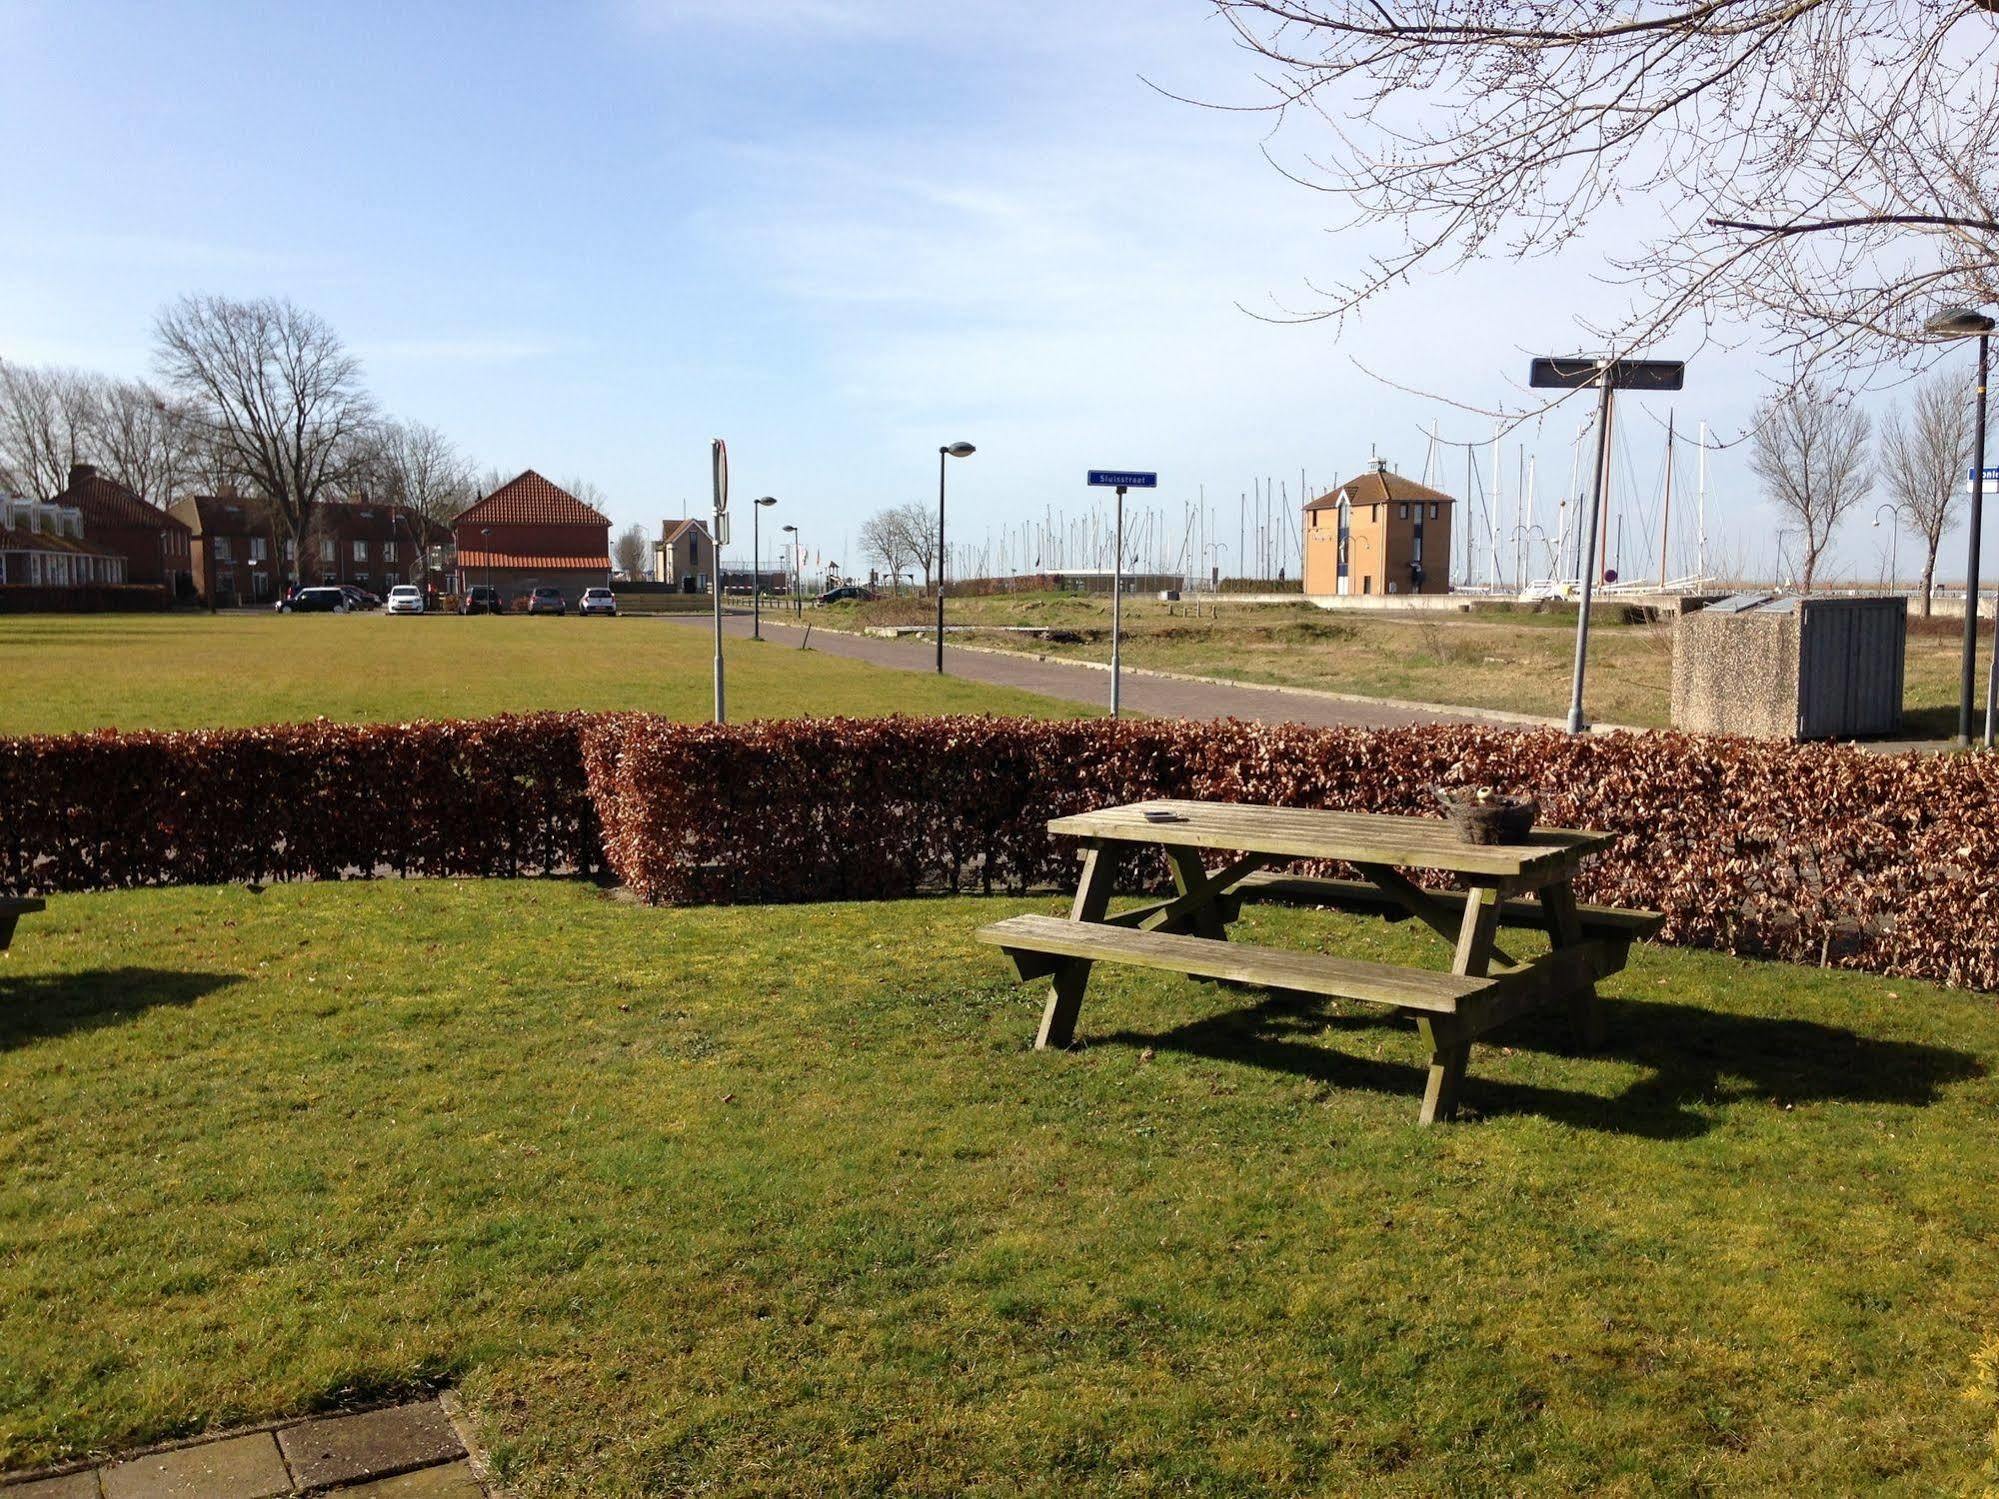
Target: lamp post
<point>949,450</point>
<point>756,574</point>
<point>1894,540</point>
<point>797,604</point>
<point>1968,322</point>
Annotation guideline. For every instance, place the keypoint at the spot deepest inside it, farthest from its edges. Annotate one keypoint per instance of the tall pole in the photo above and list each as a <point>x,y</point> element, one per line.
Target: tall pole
<point>756,577</point>
<point>940,560</point>
<point>1969,677</point>
<point>1702,504</point>
<point>1117,600</point>
<point>1605,376</point>
<point>1666,514</point>
<point>1977,505</point>
<point>718,455</point>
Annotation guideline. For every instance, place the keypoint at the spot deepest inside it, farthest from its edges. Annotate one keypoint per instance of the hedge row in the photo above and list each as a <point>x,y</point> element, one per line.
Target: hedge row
<point>1812,853</point>
<point>1820,854</point>
<point>502,796</point>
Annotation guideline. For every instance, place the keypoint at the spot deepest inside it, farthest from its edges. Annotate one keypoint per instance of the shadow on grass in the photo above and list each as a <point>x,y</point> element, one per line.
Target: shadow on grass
<point>1697,1060</point>
<point>54,1004</point>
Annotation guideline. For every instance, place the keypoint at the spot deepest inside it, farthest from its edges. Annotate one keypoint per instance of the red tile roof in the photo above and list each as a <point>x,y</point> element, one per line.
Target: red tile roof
<point>533,563</point>
<point>1375,486</point>
<point>675,528</point>
<point>530,500</point>
<point>108,502</point>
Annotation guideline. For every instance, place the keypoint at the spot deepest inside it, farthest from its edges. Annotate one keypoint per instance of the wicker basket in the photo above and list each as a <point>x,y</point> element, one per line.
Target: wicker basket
<point>1497,818</point>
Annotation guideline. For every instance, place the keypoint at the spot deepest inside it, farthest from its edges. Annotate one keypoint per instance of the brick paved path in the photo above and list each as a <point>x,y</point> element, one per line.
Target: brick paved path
<point>1154,696</point>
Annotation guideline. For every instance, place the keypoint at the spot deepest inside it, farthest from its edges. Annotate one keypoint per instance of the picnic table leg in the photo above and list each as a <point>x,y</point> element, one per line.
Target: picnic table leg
<point>1190,874</point>
<point>7,924</point>
<point>1450,1048</point>
<point>1448,1056</point>
<point>1066,986</point>
<point>1565,929</point>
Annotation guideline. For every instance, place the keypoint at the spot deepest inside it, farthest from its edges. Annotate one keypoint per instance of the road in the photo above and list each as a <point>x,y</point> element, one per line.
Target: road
<point>1144,693</point>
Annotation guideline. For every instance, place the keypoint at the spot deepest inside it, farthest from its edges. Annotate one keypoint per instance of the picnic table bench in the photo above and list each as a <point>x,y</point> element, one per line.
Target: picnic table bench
<point>12,909</point>
<point>1527,884</point>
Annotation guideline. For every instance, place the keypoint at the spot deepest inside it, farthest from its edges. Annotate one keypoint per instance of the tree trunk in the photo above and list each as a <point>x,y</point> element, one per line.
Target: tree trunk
<point>1929,580</point>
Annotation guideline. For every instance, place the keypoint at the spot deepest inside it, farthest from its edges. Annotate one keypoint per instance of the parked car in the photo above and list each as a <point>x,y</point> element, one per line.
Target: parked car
<point>547,600</point>
<point>846,591</point>
<point>405,598</point>
<point>326,600</point>
<point>597,601</point>
<point>360,598</point>
<point>482,598</point>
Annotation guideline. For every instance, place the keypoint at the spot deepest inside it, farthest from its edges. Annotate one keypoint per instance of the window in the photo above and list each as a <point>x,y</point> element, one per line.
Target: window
<point>1402,512</point>
<point>260,549</point>
<point>388,551</point>
<point>361,551</point>
<point>1391,585</point>
<point>225,549</point>
<point>1417,555</point>
<point>1367,585</point>
<point>1433,510</point>
<point>326,551</point>
<point>291,550</point>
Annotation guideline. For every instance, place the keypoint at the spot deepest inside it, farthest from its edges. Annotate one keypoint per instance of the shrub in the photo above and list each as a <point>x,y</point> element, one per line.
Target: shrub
<point>503,796</point>
<point>1822,854</point>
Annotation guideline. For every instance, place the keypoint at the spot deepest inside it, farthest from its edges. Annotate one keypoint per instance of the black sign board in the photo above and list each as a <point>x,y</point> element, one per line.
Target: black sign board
<point>1579,371</point>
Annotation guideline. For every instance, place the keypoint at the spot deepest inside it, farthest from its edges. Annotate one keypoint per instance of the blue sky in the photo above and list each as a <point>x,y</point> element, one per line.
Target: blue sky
<point>588,237</point>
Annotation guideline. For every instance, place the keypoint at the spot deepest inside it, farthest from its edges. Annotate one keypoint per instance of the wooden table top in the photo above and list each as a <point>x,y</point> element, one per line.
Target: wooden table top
<point>1356,837</point>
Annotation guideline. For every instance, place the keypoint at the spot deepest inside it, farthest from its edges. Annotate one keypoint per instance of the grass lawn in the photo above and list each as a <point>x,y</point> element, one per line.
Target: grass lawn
<point>182,671</point>
<point>779,1200</point>
<point>1517,662</point>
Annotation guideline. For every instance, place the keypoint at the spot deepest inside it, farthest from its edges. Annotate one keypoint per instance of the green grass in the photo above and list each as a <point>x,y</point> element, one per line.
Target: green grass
<point>71,672</point>
<point>779,1200</point>
<point>1517,661</point>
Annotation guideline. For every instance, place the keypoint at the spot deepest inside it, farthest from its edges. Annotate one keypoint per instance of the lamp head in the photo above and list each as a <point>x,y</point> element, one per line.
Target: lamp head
<point>769,499</point>
<point>1958,322</point>
<point>958,449</point>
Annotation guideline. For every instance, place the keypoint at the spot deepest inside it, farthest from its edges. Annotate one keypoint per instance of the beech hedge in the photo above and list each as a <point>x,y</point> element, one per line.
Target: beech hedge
<point>501,796</point>
<point>1813,853</point>
<point>1820,854</point>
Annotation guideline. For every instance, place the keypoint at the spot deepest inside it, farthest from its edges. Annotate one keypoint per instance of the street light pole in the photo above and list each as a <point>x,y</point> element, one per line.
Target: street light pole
<point>798,607</point>
<point>1967,322</point>
<point>949,450</point>
<point>1894,541</point>
<point>756,574</point>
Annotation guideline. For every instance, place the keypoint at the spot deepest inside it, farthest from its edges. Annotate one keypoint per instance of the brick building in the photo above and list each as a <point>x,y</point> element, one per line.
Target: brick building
<point>156,545</point>
<point>42,545</point>
<point>684,556</point>
<point>1378,534</point>
<point>238,559</point>
<point>529,534</point>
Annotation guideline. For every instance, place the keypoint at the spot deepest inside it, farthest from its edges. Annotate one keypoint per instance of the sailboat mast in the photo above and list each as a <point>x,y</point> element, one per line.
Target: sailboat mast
<point>1702,482</point>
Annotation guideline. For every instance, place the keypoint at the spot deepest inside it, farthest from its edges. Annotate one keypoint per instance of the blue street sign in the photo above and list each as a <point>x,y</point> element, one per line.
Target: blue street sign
<point>1991,475</point>
<point>1111,478</point>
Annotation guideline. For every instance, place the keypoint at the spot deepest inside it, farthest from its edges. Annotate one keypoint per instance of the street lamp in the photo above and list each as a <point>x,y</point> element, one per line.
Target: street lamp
<point>949,450</point>
<point>1894,540</point>
<point>797,603</point>
<point>1968,322</point>
<point>756,575</point>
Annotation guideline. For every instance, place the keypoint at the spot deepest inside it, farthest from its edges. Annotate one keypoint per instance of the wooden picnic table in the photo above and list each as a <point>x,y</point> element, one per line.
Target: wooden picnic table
<point>1527,884</point>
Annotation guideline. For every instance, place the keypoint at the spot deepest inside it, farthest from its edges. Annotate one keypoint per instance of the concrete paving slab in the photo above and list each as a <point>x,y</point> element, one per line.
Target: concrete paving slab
<point>452,1481</point>
<point>374,1444</point>
<point>246,1467</point>
<point>70,1486</point>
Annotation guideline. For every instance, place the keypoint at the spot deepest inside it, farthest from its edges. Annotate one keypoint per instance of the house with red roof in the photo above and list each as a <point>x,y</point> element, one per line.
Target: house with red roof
<point>530,534</point>
<point>157,547</point>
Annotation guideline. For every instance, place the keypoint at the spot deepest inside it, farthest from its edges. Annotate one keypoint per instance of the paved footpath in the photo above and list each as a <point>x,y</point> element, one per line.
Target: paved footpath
<point>1152,694</point>
<point>415,1451</point>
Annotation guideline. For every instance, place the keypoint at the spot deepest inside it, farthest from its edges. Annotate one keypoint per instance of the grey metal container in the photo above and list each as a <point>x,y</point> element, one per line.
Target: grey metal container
<point>1790,667</point>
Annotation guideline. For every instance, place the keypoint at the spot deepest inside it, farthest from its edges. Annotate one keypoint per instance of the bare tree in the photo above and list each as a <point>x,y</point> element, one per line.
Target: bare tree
<point>1826,170</point>
<point>919,530</point>
<point>278,393</point>
<point>46,417</point>
<point>588,493</point>
<point>633,552</point>
<point>1810,454</point>
<point>886,538</point>
<point>1923,464</point>
<point>420,471</point>
<point>146,440</point>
